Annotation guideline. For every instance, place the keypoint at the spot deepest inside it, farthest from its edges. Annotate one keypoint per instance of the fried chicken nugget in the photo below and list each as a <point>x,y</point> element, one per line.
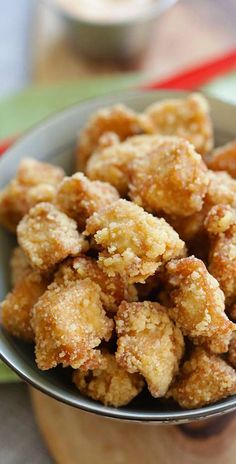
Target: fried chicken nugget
<point>188,118</point>
<point>47,236</point>
<point>199,304</point>
<point>221,226</point>
<point>204,379</point>
<point>34,182</point>
<point>17,307</point>
<point>221,190</point>
<point>134,242</point>
<point>117,119</point>
<point>224,159</point>
<point>19,265</point>
<point>113,289</point>
<point>148,343</point>
<point>111,385</point>
<point>69,322</point>
<point>79,197</point>
<point>113,164</point>
<point>172,179</point>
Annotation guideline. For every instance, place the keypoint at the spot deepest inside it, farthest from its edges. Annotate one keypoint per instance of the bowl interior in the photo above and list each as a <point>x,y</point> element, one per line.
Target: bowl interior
<point>53,141</point>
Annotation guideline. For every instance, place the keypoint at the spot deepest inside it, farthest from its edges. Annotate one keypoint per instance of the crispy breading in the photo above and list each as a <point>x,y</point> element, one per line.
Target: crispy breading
<point>113,164</point>
<point>221,225</point>
<point>231,355</point>
<point>172,179</point>
<point>79,198</point>
<point>19,265</point>
<point>34,182</point>
<point>117,119</point>
<point>134,242</point>
<point>47,236</point>
<point>148,343</point>
<point>69,323</point>
<point>204,379</point>
<point>224,159</point>
<point>187,117</point>
<point>198,304</point>
<point>17,307</point>
<point>111,385</point>
<point>221,190</point>
<point>113,289</point>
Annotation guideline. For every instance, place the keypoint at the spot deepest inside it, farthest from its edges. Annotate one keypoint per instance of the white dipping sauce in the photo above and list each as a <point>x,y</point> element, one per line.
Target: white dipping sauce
<point>105,10</point>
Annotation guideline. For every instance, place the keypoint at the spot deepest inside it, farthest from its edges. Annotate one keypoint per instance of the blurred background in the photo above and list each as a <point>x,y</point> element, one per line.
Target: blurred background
<point>34,45</point>
<point>49,51</point>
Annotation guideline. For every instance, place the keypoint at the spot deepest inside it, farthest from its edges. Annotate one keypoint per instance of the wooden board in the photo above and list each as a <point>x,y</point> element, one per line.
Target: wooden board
<point>76,437</point>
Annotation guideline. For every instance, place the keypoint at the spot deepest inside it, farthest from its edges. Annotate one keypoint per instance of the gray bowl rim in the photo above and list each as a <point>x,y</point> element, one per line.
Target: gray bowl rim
<point>153,10</point>
<point>176,417</point>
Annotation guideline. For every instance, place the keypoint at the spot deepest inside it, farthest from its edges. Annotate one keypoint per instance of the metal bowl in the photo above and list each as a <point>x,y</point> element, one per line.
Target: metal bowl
<point>118,40</point>
<point>54,141</point>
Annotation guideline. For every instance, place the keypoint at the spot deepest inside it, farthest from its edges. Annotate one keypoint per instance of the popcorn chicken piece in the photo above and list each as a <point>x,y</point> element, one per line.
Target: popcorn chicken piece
<point>231,355</point>
<point>204,379</point>
<point>221,225</point>
<point>47,236</point>
<point>224,159</point>
<point>34,182</point>
<point>117,119</point>
<point>172,179</point>
<point>148,343</point>
<point>113,164</point>
<point>134,243</point>
<point>111,385</point>
<point>19,265</point>
<point>113,289</point>
<point>69,322</point>
<point>79,198</point>
<point>221,189</point>
<point>17,307</point>
<point>188,118</point>
<point>198,304</point>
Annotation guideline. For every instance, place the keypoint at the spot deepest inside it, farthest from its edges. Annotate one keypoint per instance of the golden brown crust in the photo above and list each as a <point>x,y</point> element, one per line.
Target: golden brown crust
<point>198,304</point>
<point>113,164</point>
<point>113,289</point>
<point>231,355</point>
<point>221,225</point>
<point>79,198</point>
<point>69,322</point>
<point>17,307</point>
<point>148,343</point>
<point>117,119</point>
<point>47,236</point>
<point>187,118</point>
<point>204,379</point>
<point>172,179</point>
<point>111,385</point>
<point>19,265</point>
<point>135,255</point>
<point>224,159</point>
<point>34,182</point>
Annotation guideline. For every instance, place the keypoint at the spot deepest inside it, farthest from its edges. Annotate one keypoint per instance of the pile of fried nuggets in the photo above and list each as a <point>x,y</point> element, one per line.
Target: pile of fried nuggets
<point>126,271</point>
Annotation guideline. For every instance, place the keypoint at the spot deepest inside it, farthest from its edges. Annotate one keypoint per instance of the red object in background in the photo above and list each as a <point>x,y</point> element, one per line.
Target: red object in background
<point>5,144</point>
<point>191,79</point>
<point>194,78</point>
